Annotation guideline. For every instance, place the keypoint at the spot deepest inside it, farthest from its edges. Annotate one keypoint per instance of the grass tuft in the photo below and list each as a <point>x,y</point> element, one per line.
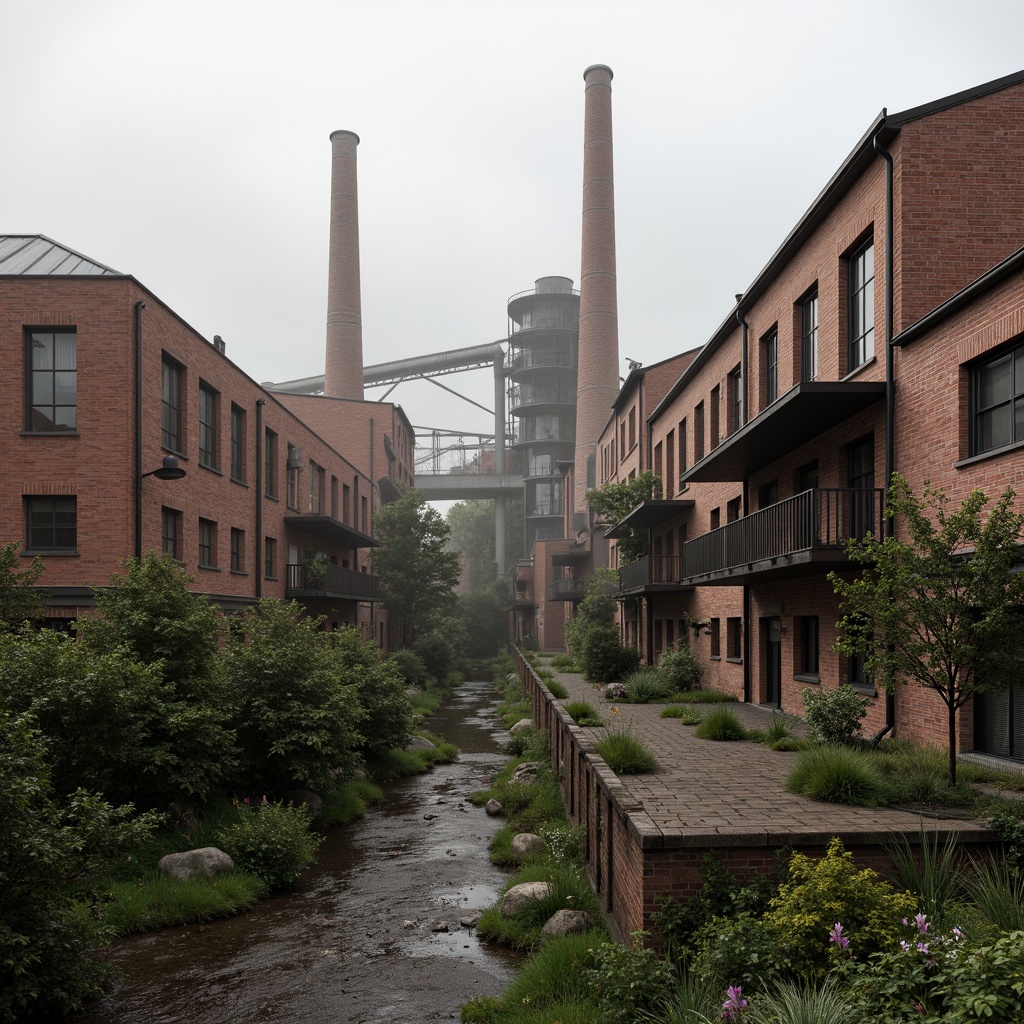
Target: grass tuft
<point>645,685</point>
<point>626,755</point>
<point>721,724</point>
<point>583,714</point>
<point>688,716</point>
<point>558,690</point>
<point>839,775</point>
<point>701,697</point>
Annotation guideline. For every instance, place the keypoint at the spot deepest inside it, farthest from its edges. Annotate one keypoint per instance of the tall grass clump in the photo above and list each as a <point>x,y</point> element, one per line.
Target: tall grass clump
<point>721,724</point>
<point>688,716</point>
<point>794,1003</point>
<point>349,802</point>
<point>838,775</point>
<point>702,697</point>
<point>564,663</point>
<point>583,714</point>
<point>557,689</point>
<point>935,875</point>
<point>645,685</point>
<point>997,891</point>
<point>556,974</point>
<point>626,755</point>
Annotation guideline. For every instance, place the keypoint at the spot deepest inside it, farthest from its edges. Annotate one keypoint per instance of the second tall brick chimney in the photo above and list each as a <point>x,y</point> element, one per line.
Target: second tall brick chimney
<point>599,322</point>
<point>343,376</point>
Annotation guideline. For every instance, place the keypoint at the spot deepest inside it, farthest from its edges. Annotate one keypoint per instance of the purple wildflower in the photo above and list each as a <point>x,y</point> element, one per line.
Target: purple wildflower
<point>734,1003</point>
<point>921,923</point>
<point>837,937</point>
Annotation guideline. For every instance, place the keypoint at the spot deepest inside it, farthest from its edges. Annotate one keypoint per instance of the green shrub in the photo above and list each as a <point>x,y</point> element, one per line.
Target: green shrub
<point>342,804</point>
<point>688,716</point>
<point>411,667</point>
<point>645,685</point>
<point>605,658</point>
<point>583,714</point>
<point>437,652</point>
<point>1008,824</point>
<point>721,724</point>
<point>834,715</point>
<point>563,662</point>
<point>629,980</point>
<point>557,689</point>
<point>272,841</point>
<point>626,755</point>
<point>822,891</point>
<point>738,950</point>
<point>839,775</point>
<point>556,973</point>
<point>681,668</point>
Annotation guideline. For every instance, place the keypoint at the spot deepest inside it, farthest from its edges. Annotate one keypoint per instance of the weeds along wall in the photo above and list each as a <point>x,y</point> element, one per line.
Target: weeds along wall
<point>632,863</point>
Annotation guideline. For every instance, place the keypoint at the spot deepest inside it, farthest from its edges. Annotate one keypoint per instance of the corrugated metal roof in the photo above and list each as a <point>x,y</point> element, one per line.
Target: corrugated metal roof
<point>37,254</point>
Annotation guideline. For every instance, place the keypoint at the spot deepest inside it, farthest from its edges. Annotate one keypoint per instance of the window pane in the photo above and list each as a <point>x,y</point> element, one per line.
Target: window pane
<point>42,388</point>
<point>994,428</point>
<point>64,351</point>
<point>64,417</point>
<point>994,382</point>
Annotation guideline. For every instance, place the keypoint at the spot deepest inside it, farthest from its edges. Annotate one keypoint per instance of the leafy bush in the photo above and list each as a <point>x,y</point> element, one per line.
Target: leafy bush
<point>818,893</point>
<point>738,950</point>
<point>834,715</point>
<point>721,724</point>
<point>273,841</point>
<point>626,755</point>
<point>838,775</point>
<point>604,657</point>
<point>645,685</point>
<point>583,714</point>
<point>1009,826</point>
<point>688,716</point>
<point>629,980</point>
<point>411,667</point>
<point>681,668</point>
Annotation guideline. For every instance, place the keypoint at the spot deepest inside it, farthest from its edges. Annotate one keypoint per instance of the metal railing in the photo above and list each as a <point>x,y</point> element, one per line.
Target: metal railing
<point>818,518</point>
<point>652,570</point>
<point>567,589</point>
<point>334,580</point>
<point>525,359</point>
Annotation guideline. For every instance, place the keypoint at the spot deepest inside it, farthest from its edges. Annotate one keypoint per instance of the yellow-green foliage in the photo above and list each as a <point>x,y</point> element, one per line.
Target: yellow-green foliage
<point>822,891</point>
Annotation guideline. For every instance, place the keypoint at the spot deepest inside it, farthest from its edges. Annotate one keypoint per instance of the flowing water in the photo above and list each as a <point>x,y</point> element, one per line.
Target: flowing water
<point>356,941</point>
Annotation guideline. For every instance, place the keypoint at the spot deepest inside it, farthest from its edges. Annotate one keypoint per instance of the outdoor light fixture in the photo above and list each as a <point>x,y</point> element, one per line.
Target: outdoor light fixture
<point>170,470</point>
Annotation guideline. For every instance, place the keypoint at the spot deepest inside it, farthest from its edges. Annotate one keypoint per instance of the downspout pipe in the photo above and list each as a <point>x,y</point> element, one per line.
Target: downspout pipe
<point>890,382</point>
<point>139,307</point>
<point>743,419</point>
<point>260,402</point>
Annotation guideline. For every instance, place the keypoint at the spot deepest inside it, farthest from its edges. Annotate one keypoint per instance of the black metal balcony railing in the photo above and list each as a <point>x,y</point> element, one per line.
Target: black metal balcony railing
<point>567,589</point>
<point>816,519</point>
<point>334,581</point>
<point>540,395</point>
<point>652,570</point>
<point>524,359</point>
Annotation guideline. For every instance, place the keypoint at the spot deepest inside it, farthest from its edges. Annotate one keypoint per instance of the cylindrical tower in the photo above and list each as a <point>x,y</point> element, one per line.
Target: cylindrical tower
<point>543,326</point>
<point>344,367</point>
<point>599,330</point>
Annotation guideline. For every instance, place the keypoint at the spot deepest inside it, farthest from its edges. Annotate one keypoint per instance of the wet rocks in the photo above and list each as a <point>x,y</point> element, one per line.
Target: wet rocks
<point>526,772</point>
<point>207,860</point>
<point>527,846</point>
<point>566,922</point>
<point>494,809</point>
<point>420,743</point>
<point>521,896</point>
<point>521,726</point>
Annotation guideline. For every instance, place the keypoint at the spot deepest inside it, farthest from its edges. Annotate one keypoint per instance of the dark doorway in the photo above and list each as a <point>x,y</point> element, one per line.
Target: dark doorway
<point>772,632</point>
<point>999,723</point>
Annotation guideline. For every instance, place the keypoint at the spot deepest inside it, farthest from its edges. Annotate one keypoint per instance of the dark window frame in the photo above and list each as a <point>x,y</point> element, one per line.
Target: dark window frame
<point>770,354</point>
<point>270,463</point>
<point>269,557</point>
<point>209,416</point>
<point>237,443</point>
<point>983,436</point>
<point>734,638</point>
<point>237,550</point>
<point>715,632</point>
<point>698,432</point>
<point>809,336</point>
<point>172,376</point>
<point>44,528</point>
<point>809,650</point>
<point>45,379</point>
<point>170,533</point>
<point>861,305</point>
<point>207,544</point>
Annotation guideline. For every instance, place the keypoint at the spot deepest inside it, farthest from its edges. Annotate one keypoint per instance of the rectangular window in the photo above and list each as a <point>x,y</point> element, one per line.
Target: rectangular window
<point>807,477</point>
<point>670,464</point>
<point>734,639</point>
<point>207,427</point>
<point>292,482</point>
<point>170,376</point>
<point>807,660</point>
<point>734,386</point>
<point>860,458</point>
<point>997,401</point>
<point>861,331</point>
<point>658,462</point>
<point>809,337</point>
<point>170,533</point>
<point>237,550</point>
<point>698,432</point>
<point>270,558</point>
<point>716,404</point>
<point>207,544</point>
<point>768,494</point>
<point>270,464</point>
<point>716,638</point>
<point>365,527</point>
<point>770,351</point>
<point>51,524</point>
<point>316,489</point>
<point>237,443</point>
<point>632,427</point>
<point>346,495</point>
<point>732,510</point>
<point>334,496</point>
<point>52,390</point>
<point>716,518</point>
<point>683,456</point>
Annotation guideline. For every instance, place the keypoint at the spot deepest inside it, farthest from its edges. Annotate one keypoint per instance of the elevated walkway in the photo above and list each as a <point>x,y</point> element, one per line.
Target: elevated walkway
<point>468,486</point>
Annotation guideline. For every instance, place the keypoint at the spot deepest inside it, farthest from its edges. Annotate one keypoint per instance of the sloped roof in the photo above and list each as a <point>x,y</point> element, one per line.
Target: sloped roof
<point>42,256</point>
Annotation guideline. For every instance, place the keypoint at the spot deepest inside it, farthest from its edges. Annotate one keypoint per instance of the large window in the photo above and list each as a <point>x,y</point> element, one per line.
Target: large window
<point>171,374</point>
<point>734,394</point>
<point>716,638</point>
<point>292,481</point>
<point>237,444</point>
<point>52,524</point>
<point>809,337</point>
<point>997,401</point>
<point>770,351</point>
<point>734,639</point>
<point>862,305</point>
<point>52,381</point>
<point>237,550</point>
<point>698,432</point>
<point>270,558</point>
<point>316,488</point>
<point>807,651</point>
<point>170,533</point>
<point>207,427</point>
<point>207,544</point>
<point>270,464</point>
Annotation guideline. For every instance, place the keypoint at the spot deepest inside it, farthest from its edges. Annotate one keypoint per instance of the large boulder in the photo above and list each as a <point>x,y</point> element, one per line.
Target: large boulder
<point>566,922</point>
<point>526,772</point>
<point>521,726</point>
<point>526,846</point>
<point>305,798</point>
<point>494,809</point>
<point>207,860</point>
<point>420,743</point>
<point>521,896</point>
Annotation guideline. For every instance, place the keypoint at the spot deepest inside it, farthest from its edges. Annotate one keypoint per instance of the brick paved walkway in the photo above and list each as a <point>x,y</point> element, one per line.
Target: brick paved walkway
<point>735,791</point>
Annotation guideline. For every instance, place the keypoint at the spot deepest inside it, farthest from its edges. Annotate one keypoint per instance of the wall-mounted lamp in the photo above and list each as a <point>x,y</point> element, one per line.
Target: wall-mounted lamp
<point>170,470</point>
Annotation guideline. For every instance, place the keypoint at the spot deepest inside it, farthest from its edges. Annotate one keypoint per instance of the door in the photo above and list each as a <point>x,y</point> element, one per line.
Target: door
<point>999,723</point>
<point>772,632</point>
<point>861,481</point>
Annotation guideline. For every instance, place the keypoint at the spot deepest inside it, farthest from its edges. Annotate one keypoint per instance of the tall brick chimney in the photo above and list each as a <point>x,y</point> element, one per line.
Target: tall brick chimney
<point>599,322</point>
<point>344,368</point>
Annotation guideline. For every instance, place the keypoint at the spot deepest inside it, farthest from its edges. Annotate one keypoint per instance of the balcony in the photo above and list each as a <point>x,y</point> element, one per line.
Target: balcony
<point>329,529</point>
<point>803,534</point>
<point>653,574</point>
<point>567,589</point>
<point>337,582</point>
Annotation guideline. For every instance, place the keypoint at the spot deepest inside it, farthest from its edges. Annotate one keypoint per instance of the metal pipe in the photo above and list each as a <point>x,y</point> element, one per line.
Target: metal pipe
<point>139,307</point>
<point>260,402</point>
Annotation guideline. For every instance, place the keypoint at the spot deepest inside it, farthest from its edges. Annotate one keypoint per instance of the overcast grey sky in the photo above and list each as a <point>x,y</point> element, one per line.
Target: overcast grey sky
<point>186,143</point>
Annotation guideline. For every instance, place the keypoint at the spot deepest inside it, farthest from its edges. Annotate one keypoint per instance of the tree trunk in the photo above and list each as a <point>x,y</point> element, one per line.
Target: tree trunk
<point>952,743</point>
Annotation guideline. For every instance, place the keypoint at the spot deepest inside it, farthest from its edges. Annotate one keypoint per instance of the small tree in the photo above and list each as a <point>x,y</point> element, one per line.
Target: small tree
<point>613,502</point>
<point>418,573</point>
<point>20,599</point>
<point>941,607</point>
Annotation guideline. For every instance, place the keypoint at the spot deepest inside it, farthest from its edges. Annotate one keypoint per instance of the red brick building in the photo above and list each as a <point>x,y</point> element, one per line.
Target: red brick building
<point>775,443</point>
<point>102,382</point>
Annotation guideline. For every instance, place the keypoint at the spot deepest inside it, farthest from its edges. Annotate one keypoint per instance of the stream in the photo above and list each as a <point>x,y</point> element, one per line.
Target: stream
<point>355,942</point>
